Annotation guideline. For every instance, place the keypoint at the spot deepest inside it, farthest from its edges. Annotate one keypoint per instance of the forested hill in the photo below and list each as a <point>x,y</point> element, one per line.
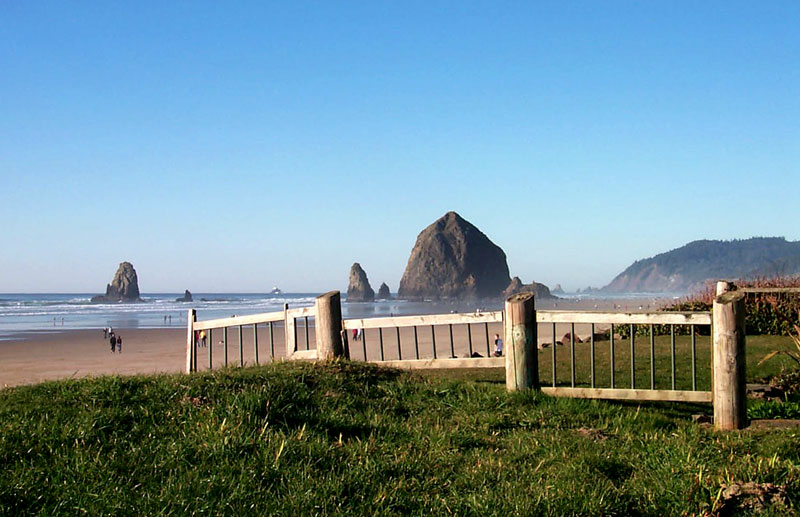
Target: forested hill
<point>689,267</point>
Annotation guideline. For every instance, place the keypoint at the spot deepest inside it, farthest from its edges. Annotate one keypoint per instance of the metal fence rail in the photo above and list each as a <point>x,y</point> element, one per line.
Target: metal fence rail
<point>219,328</point>
<point>610,323</point>
<point>415,327</point>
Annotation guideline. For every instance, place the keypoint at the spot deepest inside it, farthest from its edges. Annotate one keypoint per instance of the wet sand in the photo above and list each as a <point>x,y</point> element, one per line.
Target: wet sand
<point>38,356</point>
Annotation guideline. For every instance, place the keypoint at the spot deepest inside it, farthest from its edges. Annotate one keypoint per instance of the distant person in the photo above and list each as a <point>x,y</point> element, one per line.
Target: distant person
<point>360,335</point>
<point>197,337</point>
<point>119,344</point>
<point>355,334</point>
<point>203,338</point>
<point>105,332</point>
<point>498,346</point>
<point>170,319</point>
<point>113,342</point>
<point>165,319</point>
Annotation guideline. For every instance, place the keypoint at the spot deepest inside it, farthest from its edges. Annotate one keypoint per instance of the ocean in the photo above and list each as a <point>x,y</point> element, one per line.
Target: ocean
<point>51,311</point>
<point>57,311</point>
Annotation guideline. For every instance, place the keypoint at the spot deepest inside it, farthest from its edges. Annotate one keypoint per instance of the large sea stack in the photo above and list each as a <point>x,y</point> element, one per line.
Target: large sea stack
<point>359,290</point>
<point>452,259</point>
<point>124,287</point>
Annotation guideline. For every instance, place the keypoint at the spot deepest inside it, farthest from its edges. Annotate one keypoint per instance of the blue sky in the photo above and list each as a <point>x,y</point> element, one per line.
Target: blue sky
<point>231,147</point>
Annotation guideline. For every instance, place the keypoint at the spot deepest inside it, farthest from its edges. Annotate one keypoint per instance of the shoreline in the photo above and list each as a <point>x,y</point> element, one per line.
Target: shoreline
<point>37,355</point>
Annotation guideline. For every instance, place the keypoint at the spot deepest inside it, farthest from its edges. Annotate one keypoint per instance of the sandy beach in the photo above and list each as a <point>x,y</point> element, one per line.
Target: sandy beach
<point>31,357</point>
<point>39,356</point>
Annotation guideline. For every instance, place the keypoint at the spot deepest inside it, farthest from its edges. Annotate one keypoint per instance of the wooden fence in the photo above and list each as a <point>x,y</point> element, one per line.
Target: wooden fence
<point>519,325</point>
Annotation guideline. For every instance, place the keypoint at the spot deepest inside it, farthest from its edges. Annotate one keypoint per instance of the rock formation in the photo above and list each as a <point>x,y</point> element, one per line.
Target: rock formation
<point>124,287</point>
<point>359,289</point>
<point>187,297</point>
<point>383,292</point>
<point>516,286</point>
<point>452,259</point>
<point>557,289</point>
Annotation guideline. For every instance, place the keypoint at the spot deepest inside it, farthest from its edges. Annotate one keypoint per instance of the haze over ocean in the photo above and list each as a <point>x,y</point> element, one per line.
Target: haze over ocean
<point>230,148</point>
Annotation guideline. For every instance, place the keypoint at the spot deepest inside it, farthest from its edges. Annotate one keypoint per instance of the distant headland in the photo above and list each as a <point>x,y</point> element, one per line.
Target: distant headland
<point>689,267</point>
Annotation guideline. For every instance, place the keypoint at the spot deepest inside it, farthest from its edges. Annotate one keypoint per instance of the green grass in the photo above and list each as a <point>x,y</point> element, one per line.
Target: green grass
<point>304,439</point>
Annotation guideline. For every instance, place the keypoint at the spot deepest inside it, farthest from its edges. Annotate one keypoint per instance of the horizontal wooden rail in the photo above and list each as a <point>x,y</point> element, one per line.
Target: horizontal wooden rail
<point>300,312</point>
<point>236,321</point>
<point>443,364</point>
<point>769,289</point>
<point>625,318</point>
<point>420,321</point>
<point>625,394</point>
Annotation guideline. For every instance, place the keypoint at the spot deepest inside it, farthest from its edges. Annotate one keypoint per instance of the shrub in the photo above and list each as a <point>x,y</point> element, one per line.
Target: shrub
<point>766,313</point>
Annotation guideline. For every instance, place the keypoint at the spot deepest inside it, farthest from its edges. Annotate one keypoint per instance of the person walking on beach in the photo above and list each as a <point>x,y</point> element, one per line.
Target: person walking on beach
<point>113,342</point>
<point>105,332</point>
<point>360,335</point>
<point>355,334</point>
<point>203,338</point>
<point>119,344</point>
<point>498,346</point>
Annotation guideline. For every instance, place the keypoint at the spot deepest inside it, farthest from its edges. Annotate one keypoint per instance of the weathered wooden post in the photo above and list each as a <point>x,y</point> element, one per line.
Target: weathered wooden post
<point>724,287</point>
<point>729,382</point>
<point>519,335</point>
<point>191,317</point>
<point>328,325</point>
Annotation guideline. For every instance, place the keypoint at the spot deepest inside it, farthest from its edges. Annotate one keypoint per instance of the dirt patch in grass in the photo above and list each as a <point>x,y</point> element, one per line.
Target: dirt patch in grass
<point>773,423</point>
<point>593,434</point>
<point>751,497</point>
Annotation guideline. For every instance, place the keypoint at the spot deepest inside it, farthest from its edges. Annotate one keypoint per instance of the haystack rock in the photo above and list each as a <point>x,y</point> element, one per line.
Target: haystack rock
<point>452,259</point>
<point>383,292</point>
<point>538,290</point>
<point>124,287</point>
<point>359,289</point>
<point>187,297</point>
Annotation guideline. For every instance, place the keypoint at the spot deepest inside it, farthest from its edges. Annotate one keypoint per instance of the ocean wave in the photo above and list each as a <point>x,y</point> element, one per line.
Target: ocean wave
<point>38,311</point>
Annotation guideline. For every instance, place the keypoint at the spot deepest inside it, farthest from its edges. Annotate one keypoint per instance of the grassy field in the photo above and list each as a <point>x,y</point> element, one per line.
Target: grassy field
<point>304,439</point>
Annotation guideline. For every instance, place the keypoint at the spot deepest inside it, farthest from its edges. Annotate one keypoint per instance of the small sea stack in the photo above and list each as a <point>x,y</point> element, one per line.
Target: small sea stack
<point>187,297</point>
<point>516,286</point>
<point>123,288</point>
<point>383,292</point>
<point>358,289</point>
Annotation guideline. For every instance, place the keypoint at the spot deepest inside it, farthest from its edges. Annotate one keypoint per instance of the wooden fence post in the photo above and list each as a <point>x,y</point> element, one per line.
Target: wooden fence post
<point>729,384</point>
<point>328,326</point>
<point>191,317</point>
<point>522,360</point>
<point>724,287</point>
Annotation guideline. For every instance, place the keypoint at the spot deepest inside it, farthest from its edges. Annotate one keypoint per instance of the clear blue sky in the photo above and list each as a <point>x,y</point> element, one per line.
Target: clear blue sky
<point>232,146</point>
